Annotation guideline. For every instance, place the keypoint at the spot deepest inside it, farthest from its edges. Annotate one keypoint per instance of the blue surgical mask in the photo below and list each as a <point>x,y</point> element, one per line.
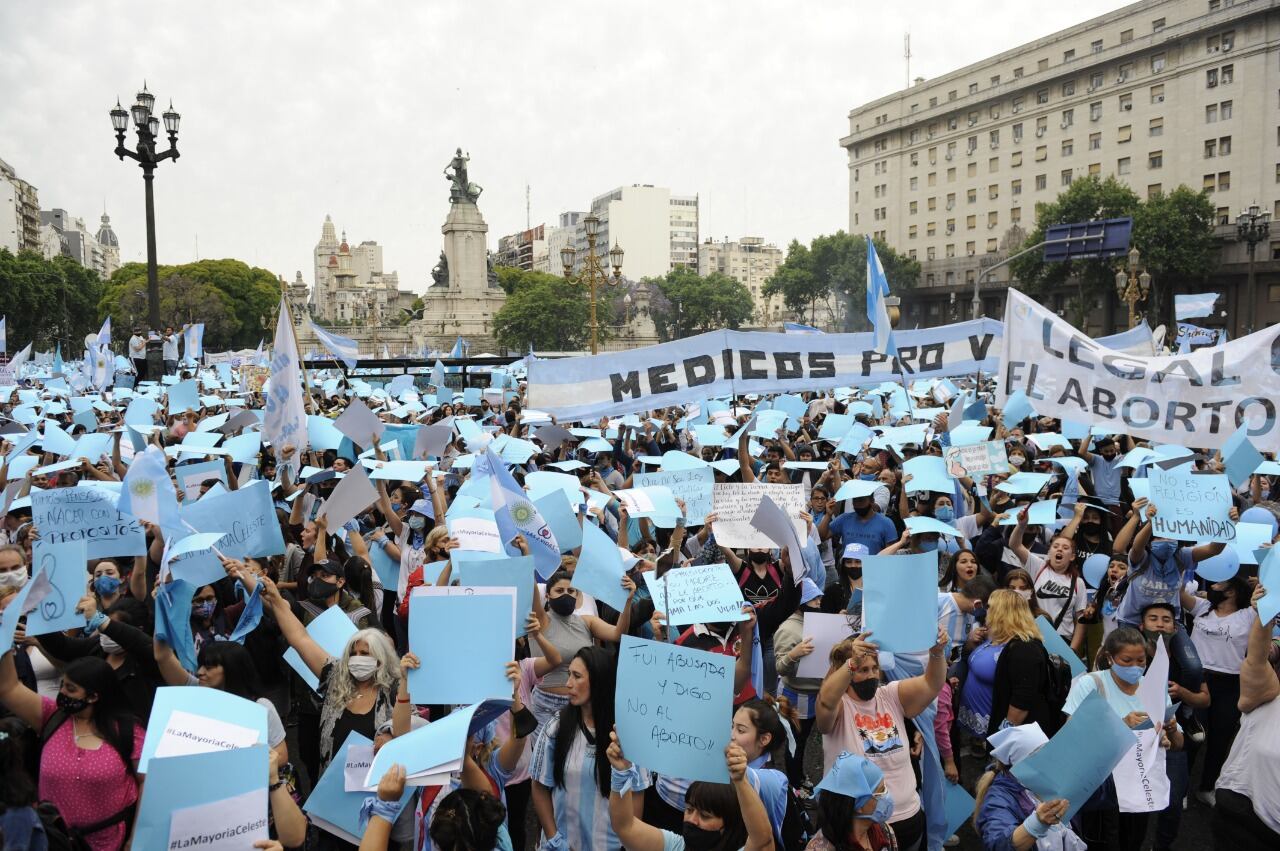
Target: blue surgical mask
<point>867,477</point>
<point>106,585</point>
<point>1128,673</point>
<point>396,506</point>
<point>944,513</point>
<point>927,546</point>
<point>884,808</point>
<point>205,609</point>
<point>1163,550</point>
<point>417,522</point>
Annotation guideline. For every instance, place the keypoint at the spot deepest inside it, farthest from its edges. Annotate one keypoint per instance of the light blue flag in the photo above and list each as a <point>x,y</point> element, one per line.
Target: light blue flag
<point>517,515</point>
<point>173,620</point>
<point>104,334</point>
<point>193,342</point>
<point>11,614</point>
<point>600,569</point>
<point>176,783</point>
<point>797,328</point>
<point>148,493</point>
<point>195,559</point>
<point>672,704</point>
<point>1054,644</point>
<point>344,349</point>
<point>1079,757</point>
<point>58,367</point>
<point>899,601</point>
<point>437,376</point>
<point>250,616</point>
<point>62,565</point>
<point>1194,305</point>
<point>877,310</point>
<point>4,343</point>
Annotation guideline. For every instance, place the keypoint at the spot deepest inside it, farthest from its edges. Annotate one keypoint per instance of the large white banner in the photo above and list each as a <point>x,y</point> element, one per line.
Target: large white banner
<point>1197,400</point>
<point>284,420</point>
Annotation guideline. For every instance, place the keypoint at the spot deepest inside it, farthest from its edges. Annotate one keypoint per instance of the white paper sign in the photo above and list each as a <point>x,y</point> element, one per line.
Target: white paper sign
<point>704,594</point>
<point>360,424</point>
<point>1142,784</point>
<point>826,631</point>
<point>476,533</point>
<point>187,733</point>
<point>359,759</point>
<point>734,504</point>
<point>232,824</point>
<point>353,494</point>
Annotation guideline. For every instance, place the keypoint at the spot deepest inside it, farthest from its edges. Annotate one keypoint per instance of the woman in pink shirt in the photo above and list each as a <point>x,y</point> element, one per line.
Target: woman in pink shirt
<point>859,715</point>
<point>91,748</point>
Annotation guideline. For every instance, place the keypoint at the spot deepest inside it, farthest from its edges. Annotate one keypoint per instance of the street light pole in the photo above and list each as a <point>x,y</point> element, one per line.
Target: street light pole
<point>144,152</point>
<point>593,274</point>
<point>1252,225</point>
<point>1133,287</point>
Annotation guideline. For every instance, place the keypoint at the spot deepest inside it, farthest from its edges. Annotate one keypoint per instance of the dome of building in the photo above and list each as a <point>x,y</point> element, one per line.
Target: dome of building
<point>106,236</point>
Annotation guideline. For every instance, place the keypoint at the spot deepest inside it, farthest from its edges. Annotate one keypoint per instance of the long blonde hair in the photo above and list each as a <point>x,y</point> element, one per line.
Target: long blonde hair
<point>1009,617</point>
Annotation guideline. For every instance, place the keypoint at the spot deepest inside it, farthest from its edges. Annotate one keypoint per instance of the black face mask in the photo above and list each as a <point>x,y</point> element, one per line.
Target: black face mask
<point>759,558</point>
<point>564,605</point>
<point>865,689</point>
<point>1215,597</point>
<point>318,589</point>
<point>863,511</point>
<point>71,705</point>
<point>853,572</point>
<point>699,839</point>
<point>1091,528</point>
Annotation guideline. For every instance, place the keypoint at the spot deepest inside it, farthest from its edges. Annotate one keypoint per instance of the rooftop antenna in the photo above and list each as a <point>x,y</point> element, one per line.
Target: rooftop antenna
<point>906,54</point>
<point>197,246</point>
<point>528,220</point>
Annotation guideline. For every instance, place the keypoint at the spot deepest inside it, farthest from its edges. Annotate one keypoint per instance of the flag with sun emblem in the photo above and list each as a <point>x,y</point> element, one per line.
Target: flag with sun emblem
<point>517,515</point>
<point>103,367</point>
<point>147,492</point>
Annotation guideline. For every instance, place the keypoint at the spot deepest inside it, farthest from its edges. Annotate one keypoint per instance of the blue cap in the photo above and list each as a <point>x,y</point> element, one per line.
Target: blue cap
<point>423,507</point>
<point>808,590</point>
<point>853,776</point>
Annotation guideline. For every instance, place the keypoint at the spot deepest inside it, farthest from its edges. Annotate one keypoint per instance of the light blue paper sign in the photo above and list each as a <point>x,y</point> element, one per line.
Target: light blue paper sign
<point>694,486</point>
<point>183,396</point>
<point>332,629</point>
<point>189,477</point>
<point>334,809</point>
<point>485,622</point>
<point>1017,408</point>
<point>1055,645</point>
<point>63,566</point>
<point>959,805</point>
<point>1269,578</point>
<point>471,397</point>
<point>178,782</point>
<point>193,558</point>
<point>705,593</point>
<point>835,426</point>
<point>10,615</point>
<point>1042,513</point>
<point>503,572</point>
<point>1240,456</point>
<point>1191,506</point>
<point>439,743</point>
<point>205,703</point>
<point>562,519</point>
<point>672,705</point>
<point>248,515</point>
<point>1250,537</point>
<point>899,601</point>
<point>928,473</point>
<point>387,568</point>
<point>599,572</point>
<point>1080,756</point>
<point>322,434</point>
<point>87,514</point>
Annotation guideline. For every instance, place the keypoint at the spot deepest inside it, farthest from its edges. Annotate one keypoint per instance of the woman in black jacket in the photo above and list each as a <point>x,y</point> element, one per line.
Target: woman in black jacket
<point>1018,694</point>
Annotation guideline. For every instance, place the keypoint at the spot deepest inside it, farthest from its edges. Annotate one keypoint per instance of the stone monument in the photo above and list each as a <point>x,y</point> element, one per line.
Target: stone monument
<point>464,296</point>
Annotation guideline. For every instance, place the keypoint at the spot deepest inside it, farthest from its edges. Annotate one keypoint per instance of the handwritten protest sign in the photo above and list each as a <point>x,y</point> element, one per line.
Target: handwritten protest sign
<point>693,486</point>
<point>672,704</point>
<point>57,574</point>
<point>979,459</point>
<point>1191,506</point>
<point>89,514</point>
<point>704,594</point>
<point>735,504</point>
<point>248,515</point>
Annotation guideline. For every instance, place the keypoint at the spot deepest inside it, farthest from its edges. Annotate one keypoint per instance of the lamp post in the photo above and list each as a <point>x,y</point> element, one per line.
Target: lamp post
<point>1132,286</point>
<point>144,152</point>
<point>593,273</point>
<point>1252,225</point>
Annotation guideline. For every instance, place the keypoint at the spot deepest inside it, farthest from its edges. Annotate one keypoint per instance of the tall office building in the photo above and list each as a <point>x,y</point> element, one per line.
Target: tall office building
<point>658,231</point>
<point>750,262</point>
<point>19,212</point>
<point>1158,93</point>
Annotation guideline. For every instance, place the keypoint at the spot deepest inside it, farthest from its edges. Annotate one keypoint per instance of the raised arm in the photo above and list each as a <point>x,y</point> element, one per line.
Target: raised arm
<point>744,457</point>
<point>315,656</point>
<point>603,631</point>
<point>17,698</point>
<point>1142,540</point>
<point>384,505</point>
<point>1258,682</point>
<point>916,693</point>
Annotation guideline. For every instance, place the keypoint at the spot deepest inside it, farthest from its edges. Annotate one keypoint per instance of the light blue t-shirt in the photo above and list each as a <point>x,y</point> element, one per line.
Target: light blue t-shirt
<point>1153,581</point>
<point>1121,703</point>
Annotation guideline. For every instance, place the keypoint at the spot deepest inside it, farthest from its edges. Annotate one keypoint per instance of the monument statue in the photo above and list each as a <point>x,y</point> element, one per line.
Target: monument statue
<point>460,189</point>
<point>440,274</point>
<point>492,275</point>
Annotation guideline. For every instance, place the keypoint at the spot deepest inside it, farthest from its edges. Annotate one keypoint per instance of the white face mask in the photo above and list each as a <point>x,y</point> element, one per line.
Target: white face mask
<point>362,667</point>
<point>13,578</point>
<point>1024,593</point>
<point>109,646</point>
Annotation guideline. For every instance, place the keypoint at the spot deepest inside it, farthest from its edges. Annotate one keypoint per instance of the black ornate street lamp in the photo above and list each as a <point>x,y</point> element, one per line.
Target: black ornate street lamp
<point>148,129</point>
<point>1252,226</point>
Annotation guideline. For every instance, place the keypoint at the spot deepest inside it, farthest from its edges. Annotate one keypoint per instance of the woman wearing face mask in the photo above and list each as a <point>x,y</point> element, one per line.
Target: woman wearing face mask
<point>1020,582</point>
<point>1017,455</point>
<point>435,547</point>
<point>358,689</point>
<point>859,715</point>
<point>1125,656</point>
<point>88,764</point>
<point>854,808</point>
<point>1007,816</point>
<point>570,632</point>
<point>207,623</point>
<point>107,584</point>
<point>1088,530</point>
<point>846,597</point>
<point>717,816</point>
<point>790,646</point>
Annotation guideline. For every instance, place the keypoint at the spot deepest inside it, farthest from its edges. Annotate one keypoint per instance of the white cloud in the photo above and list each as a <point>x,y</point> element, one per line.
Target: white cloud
<point>292,110</point>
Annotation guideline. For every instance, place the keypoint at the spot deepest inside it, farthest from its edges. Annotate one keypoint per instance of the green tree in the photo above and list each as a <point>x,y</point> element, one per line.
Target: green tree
<point>546,312</point>
<point>247,293</point>
<point>1085,199</point>
<point>184,301</point>
<point>818,280</point>
<point>692,304</point>
<point>1174,235</point>
<point>48,301</point>
<point>511,278</point>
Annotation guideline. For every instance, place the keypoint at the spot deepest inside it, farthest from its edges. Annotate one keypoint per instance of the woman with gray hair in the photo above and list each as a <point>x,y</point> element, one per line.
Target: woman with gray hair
<point>357,689</point>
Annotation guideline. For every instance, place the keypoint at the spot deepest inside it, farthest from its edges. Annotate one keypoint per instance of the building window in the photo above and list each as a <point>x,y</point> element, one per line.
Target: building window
<point>1095,169</point>
<point>1211,78</point>
<point>1042,182</point>
<point>951,200</point>
<point>995,81</point>
<point>1068,55</point>
<point>1210,148</point>
<point>1015,215</point>
<point>1095,46</point>
<point>1095,81</point>
<point>993,165</point>
<point>1224,110</point>
<point>1015,161</point>
<point>1224,181</point>
<point>951,95</point>
<point>1042,96</point>
<point>1126,72</point>
<point>992,246</point>
<point>1157,25</point>
<point>1157,63</point>
<point>1126,102</point>
<point>973,88</point>
<point>1224,146</point>
<point>972,196</point>
<point>952,122</point>
<point>913,137</point>
<point>1153,190</point>
<point>972,170</point>
<point>915,158</point>
<point>1125,134</point>
<point>1015,187</point>
<point>1068,118</point>
<point>993,219</point>
<point>951,249</point>
<point>1017,132</point>
<point>1122,165</point>
<point>1155,127</point>
<point>933,178</point>
<point>993,191</point>
<point>1041,65</point>
<point>1017,105</point>
<point>1210,182</point>
<point>933,202</point>
<point>915,183</point>
<point>913,207</point>
<point>970,222</point>
<point>1157,93</point>
<point>994,138</point>
<point>1126,36</point>
<point>1224,215</point>
<point>1227,74</point>
<point>1095,141</point>
<point>1095,111</point>
<point>972,144</point>
<point>911,232</point>
<point>1068,88</point>
<point>1068,147</point>
<point>1211,113</point>
<point>1155,160</point>
<point>973,117</point>
<point>951,175</point>
<point>1042,153</point>
<point>1066,176</point>
<point>931,229</point>
<point>1017,72</point>
<point>951,226</point>
<point>1042,126</point>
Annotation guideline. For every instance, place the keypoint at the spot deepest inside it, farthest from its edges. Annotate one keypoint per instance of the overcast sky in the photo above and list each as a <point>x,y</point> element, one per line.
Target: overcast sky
<point>291,110</point>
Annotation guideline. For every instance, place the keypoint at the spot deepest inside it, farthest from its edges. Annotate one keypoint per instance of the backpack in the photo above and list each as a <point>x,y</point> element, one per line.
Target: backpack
<point>58,834</point>
<point>800,822</point>
<point>1057,682</point>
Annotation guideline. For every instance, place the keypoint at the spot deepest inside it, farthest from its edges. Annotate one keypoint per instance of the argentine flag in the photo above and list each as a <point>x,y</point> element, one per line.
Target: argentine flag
<point>193,342</point>
<point>437,376</point>
<point>147,492</point>
<point>797,328</point>
<point>517,515</point>
<point>877,311</point>
<point>1194,305</point>
<point>104,334</point>
<point>344,349</point>
<point>4,345</point>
